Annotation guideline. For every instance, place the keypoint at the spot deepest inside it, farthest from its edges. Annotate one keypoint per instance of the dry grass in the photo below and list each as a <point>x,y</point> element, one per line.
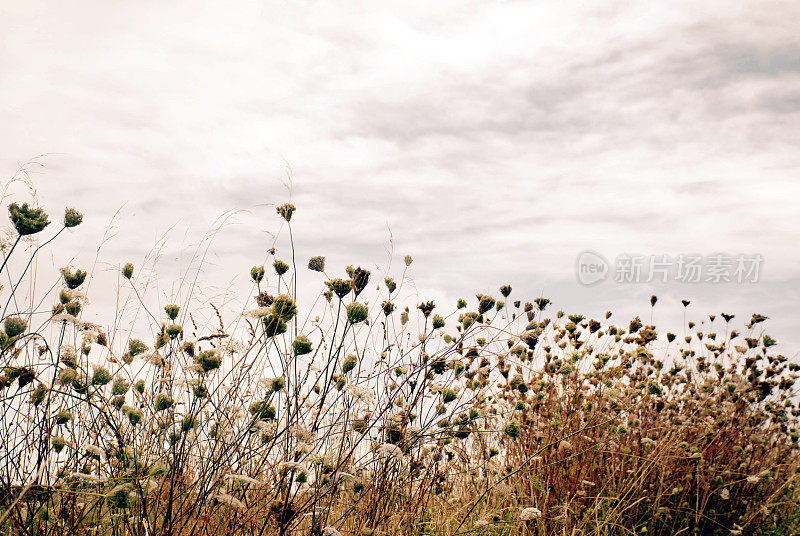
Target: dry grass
<point>378,415</point>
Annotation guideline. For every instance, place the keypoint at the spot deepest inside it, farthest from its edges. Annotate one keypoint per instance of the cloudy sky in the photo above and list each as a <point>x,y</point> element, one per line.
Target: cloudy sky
<point>493,141</point>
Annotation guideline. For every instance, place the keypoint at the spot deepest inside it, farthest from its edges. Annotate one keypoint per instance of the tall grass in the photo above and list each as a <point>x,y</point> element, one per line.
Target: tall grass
<point>363,413</point>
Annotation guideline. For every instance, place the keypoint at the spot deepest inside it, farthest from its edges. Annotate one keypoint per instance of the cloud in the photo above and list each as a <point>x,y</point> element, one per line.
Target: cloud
<point>496,140</point>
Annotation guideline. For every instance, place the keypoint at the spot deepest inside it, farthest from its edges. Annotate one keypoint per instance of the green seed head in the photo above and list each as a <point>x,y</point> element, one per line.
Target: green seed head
<point>120,386</point>
<point>513,430</point>
<point>277,384</point>
<point>286,210</point>
<point>280,267</point>
<point>73,280</point>
<point>257,273</point>
<point>209,360</point>
<point>119,496</point>
<point>27,220</point>
<point>356,312</point>
<point>284,307</point>
<point>340,287</point>
<point>72,218</point>
<point>58,444</point>
<point>101,376</point>
<point>127,271</point>
<point>302,345</point>
<point>349,363</point>
<point>163,402</point>
<point>172,311</point>
<point>316,264</point>
<point>15,326</point>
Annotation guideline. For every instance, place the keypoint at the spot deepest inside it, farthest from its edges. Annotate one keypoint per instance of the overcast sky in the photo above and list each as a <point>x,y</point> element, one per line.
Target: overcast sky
<point>494,140</point>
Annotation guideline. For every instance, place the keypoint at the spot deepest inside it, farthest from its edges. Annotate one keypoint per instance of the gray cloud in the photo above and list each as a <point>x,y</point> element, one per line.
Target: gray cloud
<point>495,140</point>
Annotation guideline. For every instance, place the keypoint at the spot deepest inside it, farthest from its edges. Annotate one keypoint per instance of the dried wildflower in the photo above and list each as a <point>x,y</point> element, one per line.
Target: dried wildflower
<point>73,280</point>
<point>505,290</point>
<point>284,307</point>
<point>302,345</point>
<point>438,322</point>
<point>38,394</point>
<point>134,416</point>
<point>101,376</point>
<point>120,386</point>
<point>261,410</point>
<point>390,284</point>
<point>27,220</point>
<point>163,402</point>
<point>280,267</point>
<point>257,273</point>
<point>127,271</point>
<point>349,363</point>
<point>72,218</point>
<point>276,384</point>
<point>273,325</point>
<point>340,287</point>
<point>94,451</point>
<point>172,311</point>
<point>286,210</point>
<point>426,308</point>
<point>119,497</point>
<point>485,303</point>
<point>15,326</point>
<point>408,260</point>
<point>526,514</point>
<point>209,360</point>
<point>316,264</point>
<point>359,280</point>
<point>58,444</point>
<point>357,312</point>
<point>513,430</point>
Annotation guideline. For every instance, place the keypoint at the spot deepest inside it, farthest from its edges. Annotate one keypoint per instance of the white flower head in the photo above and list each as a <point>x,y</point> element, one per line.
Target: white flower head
<point>526,514</point>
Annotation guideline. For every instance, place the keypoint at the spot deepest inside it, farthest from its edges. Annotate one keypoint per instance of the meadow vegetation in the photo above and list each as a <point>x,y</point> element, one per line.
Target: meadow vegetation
<point>363,412</point>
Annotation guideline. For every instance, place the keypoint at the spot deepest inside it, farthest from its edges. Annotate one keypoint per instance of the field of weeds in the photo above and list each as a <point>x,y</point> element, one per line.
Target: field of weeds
<point>361,413</point>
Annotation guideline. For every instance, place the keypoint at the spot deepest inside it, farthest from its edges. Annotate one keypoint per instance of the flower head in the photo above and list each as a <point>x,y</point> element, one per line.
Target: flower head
<point>27,220</point>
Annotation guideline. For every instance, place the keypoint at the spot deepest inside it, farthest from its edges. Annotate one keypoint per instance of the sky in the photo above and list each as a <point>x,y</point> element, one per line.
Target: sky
<point>493,141</point>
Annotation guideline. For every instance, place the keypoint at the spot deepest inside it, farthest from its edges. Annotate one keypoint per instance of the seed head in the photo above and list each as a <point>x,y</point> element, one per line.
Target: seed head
<point>357,312</point>
<point>280,267</point>
<point>257,273</point>
<point>209,360</point>
<point>15,326</point>
<point>72,218</point>
<point>163,402</point>
<point>426,308</point>
<point>284,307</point>
<point>286,210</point>
<point>340,287</point>
<point>101,376</point>
<point>73,280</point>
<point>513,430</point>
<point>27,220</point>
<point>302,345</point>
<point>359,280</point>
<point>172,311</point>
<point>127,271</point>
<point>349,363</point>
<point>316,264</point>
